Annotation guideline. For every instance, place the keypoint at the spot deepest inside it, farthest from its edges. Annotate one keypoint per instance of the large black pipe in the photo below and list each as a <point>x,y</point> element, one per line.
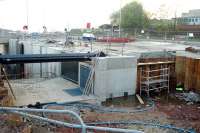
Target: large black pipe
<point>38,58</point>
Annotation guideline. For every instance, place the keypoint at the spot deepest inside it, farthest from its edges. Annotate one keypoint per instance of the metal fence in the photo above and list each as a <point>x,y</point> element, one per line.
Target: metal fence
<point>25,112</point>
<point>152,34</point>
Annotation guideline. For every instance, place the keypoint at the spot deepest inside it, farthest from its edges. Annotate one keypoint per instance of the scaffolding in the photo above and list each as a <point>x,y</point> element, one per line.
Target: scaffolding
<point>154,79</point>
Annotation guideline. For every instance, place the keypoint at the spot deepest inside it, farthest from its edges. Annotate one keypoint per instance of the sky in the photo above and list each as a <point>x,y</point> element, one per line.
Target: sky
<point>57,15</point>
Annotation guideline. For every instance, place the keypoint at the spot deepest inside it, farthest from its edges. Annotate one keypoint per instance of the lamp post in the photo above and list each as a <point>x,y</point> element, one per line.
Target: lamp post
<point>175,22</point>
<point>27,13</point>
<point>120,18</point>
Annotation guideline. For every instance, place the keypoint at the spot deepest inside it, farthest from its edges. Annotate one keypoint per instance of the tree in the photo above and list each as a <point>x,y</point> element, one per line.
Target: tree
<point>132,17</point>
<point>105,26</point>
<point>161,25</point>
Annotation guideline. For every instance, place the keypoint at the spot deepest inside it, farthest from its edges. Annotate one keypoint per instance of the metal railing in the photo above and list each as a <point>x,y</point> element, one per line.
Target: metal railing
<point>82,125</point>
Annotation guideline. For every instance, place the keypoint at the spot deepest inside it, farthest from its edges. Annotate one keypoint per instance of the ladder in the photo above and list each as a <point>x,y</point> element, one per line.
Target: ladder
<point>89,86</point>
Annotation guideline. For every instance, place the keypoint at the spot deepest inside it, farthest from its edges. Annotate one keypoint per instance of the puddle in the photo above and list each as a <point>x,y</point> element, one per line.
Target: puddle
<point>129,101</point>
<point>132,101</point>
<point>164,98</point>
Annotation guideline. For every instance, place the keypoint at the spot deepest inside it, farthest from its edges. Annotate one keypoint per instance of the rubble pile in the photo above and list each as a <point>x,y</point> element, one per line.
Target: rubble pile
<point>190,97</point>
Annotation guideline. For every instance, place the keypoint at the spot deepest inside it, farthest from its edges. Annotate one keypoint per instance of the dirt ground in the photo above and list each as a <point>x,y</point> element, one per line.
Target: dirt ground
<point>178,114</point>
<point>187,116</point>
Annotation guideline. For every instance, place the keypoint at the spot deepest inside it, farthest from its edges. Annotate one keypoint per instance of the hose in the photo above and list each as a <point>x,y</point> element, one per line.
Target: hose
<point>103,109</point>
<point>100,109</point>
<point>156,125</point>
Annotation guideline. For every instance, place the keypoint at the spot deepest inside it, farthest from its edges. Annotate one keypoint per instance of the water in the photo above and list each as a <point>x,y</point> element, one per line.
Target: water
<point>132,101</point>
<point>129,101</point>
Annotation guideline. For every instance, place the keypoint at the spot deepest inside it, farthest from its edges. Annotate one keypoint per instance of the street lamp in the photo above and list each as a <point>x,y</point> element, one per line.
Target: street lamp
<point>120,18</point>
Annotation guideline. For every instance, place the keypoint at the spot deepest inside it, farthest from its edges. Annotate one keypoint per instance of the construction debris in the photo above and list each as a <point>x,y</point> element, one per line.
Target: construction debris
<point>160,71</point>
<point>193,50</point>
<point>6,95</point>
<point>10,87</point>
<point>139,99</point>
<point>188,97</point>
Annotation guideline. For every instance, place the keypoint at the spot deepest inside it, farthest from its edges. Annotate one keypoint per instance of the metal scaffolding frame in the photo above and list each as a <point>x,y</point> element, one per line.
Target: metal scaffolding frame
<point>157,79</point>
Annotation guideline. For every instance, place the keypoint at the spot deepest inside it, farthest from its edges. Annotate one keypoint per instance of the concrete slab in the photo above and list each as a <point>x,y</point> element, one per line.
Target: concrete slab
<point>30,91</point>
<point>129,49</point>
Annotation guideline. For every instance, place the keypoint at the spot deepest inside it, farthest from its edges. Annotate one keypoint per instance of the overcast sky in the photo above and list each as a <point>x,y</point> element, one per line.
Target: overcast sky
<point>58,14</point>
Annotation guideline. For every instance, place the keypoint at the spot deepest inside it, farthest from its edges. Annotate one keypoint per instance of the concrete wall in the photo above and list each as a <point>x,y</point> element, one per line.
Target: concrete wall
<point>53,67</point>
<point>3,48</point>
<point>44,69</point>
<point>36,47</point>
<point>114,76</point>
<point>12,48</point>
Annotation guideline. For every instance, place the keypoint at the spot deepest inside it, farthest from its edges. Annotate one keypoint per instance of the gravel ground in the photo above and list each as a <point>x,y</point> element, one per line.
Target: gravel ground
<point>179,115</point>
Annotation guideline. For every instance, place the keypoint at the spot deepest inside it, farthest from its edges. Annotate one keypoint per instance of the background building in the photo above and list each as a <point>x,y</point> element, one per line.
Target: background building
<point>190,18</point>
<point>189,21</point>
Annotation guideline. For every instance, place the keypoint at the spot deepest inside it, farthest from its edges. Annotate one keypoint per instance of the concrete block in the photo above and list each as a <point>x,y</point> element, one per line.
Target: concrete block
<point>101,63</point>
<point>114,76</point>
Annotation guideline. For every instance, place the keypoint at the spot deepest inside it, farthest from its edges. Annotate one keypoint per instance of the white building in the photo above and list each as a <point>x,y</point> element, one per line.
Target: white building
<point>190,18</point>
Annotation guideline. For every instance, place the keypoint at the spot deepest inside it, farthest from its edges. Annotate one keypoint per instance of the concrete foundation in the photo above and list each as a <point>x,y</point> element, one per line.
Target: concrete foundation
<point>30,91</point>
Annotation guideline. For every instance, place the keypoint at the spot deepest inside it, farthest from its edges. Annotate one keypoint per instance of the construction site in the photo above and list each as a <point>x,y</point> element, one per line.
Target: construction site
<point>140,86</point>
<point>109,66</point>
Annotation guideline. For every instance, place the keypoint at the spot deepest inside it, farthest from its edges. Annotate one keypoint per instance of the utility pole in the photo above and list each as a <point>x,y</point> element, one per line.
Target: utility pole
<point>66,38</point>
<point>27,13</point>
<point>120,18</point>
<point>175,20</point>
<point>91,43</point>
<point>112,30</point>
<point>123,45</point>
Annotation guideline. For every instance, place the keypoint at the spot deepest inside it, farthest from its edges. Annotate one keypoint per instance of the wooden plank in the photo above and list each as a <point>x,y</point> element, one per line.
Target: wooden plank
<point>187,75</point>
<point>8,83</point>
<point>138,79</point>
<point>139,99</point>
<point>6,101</point>
<point>197,75</point>
<point>180,67</point>
<point>3,92</point>
<point>156,63</point>
<point>190,74</point>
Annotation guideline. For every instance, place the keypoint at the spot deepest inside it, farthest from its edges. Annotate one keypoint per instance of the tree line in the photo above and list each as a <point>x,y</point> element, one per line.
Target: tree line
<point>135,18</point>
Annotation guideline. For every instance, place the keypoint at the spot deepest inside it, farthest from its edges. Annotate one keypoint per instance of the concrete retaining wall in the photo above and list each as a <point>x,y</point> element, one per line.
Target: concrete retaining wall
<point>35,47</point>
<point>114,76</point>
<point>12,48</point>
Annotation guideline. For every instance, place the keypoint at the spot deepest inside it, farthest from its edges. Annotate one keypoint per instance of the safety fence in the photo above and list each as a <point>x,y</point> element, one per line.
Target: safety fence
<point>25,112</point>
